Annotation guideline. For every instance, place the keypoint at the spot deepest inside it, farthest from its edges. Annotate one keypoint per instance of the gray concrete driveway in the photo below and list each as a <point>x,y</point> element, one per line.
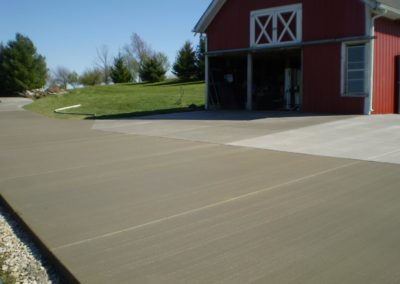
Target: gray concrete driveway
<point>13,104</point>
<point>147,208</point>
<point>369,138</point>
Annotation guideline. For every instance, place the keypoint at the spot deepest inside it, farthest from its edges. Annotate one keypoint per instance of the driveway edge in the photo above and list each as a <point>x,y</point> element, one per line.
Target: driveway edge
<point>48,256</point>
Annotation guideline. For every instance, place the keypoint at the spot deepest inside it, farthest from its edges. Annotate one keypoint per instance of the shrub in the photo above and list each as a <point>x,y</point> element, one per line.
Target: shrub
<point>91,77</point>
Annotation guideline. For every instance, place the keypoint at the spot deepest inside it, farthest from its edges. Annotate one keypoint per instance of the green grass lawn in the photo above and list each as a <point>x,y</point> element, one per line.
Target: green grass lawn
<point>124,99</point>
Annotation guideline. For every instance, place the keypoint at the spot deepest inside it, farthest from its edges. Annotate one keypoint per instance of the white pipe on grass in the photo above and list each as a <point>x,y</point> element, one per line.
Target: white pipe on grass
<point>60,111</point>
<point>66,108</point>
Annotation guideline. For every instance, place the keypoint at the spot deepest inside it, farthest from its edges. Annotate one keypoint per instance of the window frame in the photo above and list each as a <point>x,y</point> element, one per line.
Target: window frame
<point>345,70</point>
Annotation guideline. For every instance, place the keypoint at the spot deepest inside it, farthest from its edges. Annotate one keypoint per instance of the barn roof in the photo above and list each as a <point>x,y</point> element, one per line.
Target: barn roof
<point>392,7</point>
<point>208,16</point>
<point>391,3</point>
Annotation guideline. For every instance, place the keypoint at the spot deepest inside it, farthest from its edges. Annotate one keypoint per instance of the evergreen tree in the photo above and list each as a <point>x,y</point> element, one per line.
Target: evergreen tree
<point>152,69</point>
<point>119,72</point>
<point>1,63</point>
<point>201,59</point>
<point>185,64</point>
<point>21,67</point>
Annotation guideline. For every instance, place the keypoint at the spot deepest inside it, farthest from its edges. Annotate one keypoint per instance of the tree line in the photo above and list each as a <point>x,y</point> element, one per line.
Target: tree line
<point>22,68</point>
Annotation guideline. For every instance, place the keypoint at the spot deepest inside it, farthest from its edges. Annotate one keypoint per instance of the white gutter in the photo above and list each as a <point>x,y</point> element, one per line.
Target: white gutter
<point>207,76</point>
<point>381,13</point>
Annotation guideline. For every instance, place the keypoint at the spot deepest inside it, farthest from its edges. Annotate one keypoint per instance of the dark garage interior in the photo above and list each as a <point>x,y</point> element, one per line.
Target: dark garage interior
<point>228,82</point>
<point>276,81</point>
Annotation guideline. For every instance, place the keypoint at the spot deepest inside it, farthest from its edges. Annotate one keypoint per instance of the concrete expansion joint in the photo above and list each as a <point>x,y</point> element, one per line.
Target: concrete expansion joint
<point>207,207</point>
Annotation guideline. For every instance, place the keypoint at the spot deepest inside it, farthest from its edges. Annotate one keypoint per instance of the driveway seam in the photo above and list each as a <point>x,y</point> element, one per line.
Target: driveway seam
<point>196,210</point>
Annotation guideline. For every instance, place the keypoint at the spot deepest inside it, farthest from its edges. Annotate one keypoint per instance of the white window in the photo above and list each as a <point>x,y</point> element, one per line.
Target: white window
<point>354,69</point>
<point>276,26</point>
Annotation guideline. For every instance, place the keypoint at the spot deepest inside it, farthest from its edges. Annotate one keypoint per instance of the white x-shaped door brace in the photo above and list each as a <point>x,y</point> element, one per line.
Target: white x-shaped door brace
<point>277,26</point>
<point>286,27</point>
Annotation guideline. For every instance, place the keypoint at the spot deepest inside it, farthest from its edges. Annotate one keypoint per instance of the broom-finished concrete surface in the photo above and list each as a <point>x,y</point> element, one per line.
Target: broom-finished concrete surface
<point>117,208</point>
<point>369,138</point>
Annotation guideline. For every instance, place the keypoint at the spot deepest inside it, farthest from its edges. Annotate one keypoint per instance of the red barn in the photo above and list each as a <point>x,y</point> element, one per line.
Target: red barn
<point>326,56</point>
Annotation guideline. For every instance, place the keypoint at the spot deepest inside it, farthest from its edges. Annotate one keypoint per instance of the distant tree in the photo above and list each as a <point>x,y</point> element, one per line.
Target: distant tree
<point>21,67</point>
<point>2,83</point>
<point>91,77</point>
<point>73,79</point>
<point>103,63</point>
<point>185,63</point>
<point>152,70</point>
<point>60,76</point>
<point>119,72</point>
<point>139,51</point>
<point>201,59</point>
<point>63,77</point>
<point>131,63</point>
<point>163,59</point>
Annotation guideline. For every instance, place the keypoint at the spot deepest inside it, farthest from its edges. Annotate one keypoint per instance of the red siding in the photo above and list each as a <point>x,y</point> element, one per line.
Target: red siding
<point>326,19</point>
<point>387,46</point>
<point>322,82</point>
<point>231,27</point>
<point>321,19</point>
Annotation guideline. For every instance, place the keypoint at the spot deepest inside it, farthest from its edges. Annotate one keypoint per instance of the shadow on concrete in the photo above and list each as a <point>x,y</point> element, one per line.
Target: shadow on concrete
<point>148,114</point>
<point>170,83</point>
<point>199,114</point>
<point>174,83</point>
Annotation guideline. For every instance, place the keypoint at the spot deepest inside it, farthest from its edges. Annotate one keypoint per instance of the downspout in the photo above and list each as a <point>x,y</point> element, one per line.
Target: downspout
<point>207,75</point>
<point>380,14</point>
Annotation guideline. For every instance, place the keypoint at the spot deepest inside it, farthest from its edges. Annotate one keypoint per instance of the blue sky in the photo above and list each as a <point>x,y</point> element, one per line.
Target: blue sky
<point>68,32</point>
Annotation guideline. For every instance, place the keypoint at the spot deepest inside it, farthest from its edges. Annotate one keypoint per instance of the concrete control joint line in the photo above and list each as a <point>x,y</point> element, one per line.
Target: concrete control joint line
<point>213,205</point>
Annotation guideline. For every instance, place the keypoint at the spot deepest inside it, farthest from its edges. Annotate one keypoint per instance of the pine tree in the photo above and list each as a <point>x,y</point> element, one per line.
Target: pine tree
<point>21,67</point>
<point>201,59</point>
<point>119,72</point>
<point>152,69</point>
<point>185,64</point>
<point>2,87</point>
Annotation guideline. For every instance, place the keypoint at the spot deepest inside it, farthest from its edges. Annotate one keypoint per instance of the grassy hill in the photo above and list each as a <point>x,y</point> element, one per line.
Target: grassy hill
<point>125,100</point>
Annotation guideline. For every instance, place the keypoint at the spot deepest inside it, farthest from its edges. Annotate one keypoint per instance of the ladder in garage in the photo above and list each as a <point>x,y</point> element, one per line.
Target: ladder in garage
<point>214,99</point>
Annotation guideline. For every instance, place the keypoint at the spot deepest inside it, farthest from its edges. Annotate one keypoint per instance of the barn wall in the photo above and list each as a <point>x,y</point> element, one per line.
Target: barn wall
<point>387,46</point>
<point>322,74</point>
<point>321,19</point>
<point>326,19</point>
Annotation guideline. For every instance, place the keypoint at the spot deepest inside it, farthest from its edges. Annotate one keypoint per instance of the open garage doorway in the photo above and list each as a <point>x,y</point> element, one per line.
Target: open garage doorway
<point>277,80</point>
<point>227,82</point>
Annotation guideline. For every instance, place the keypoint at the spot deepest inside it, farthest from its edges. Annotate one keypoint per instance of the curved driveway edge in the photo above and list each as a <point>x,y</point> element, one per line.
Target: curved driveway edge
<point>13,104</point>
